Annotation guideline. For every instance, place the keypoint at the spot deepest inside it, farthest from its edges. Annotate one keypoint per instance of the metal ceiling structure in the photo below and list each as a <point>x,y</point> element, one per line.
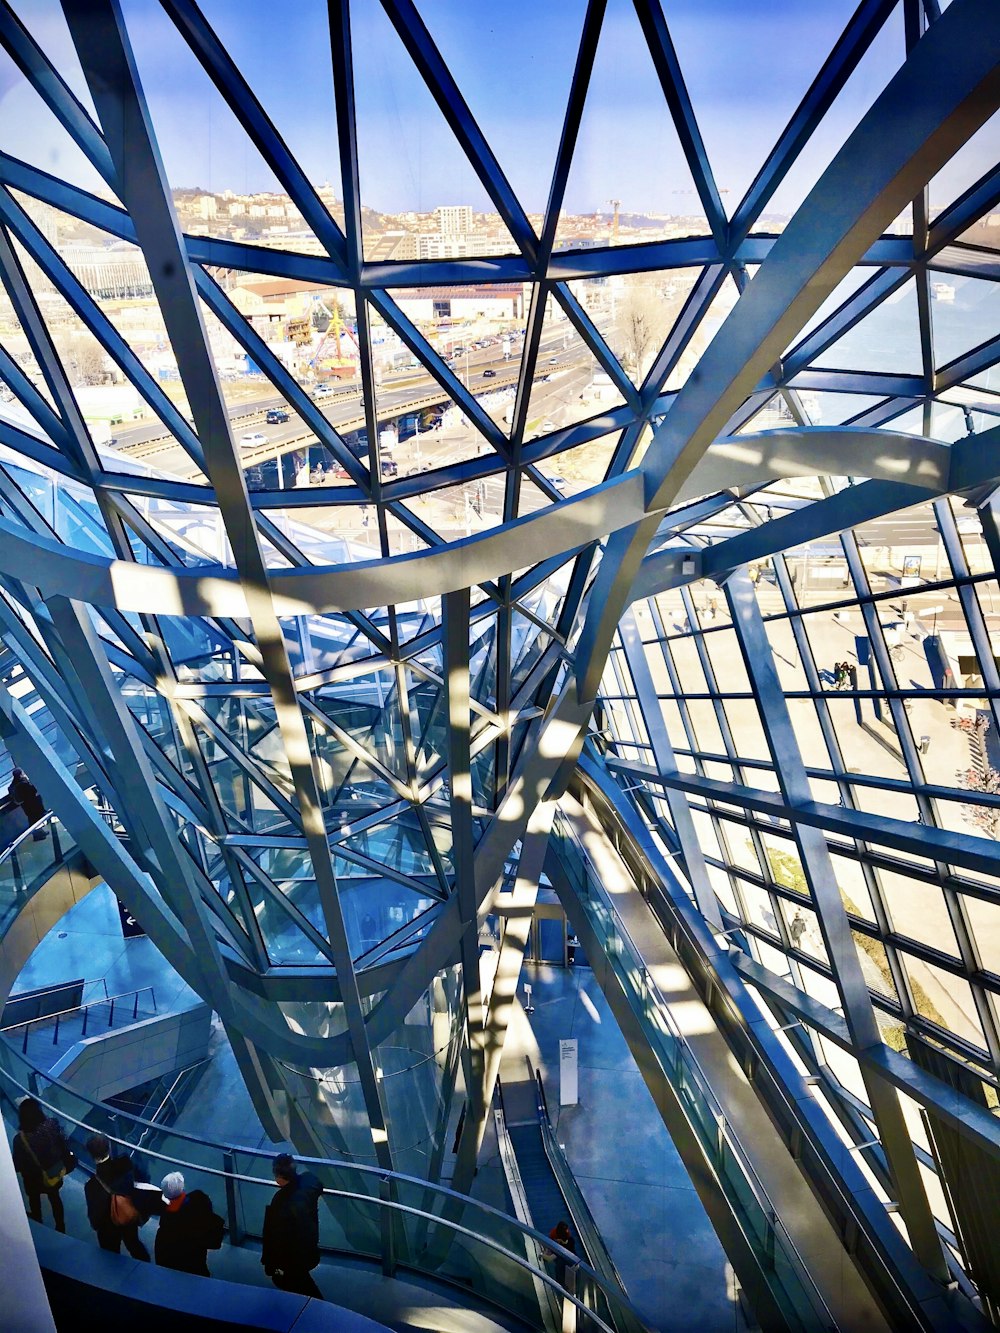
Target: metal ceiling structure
<point>332,720</point>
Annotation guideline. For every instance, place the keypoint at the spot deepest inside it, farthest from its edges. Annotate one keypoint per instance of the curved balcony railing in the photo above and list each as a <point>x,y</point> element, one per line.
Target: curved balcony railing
<point>396,1220</point>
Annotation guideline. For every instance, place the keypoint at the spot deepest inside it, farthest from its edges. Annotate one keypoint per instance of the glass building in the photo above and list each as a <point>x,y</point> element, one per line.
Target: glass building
<point>424,428</point>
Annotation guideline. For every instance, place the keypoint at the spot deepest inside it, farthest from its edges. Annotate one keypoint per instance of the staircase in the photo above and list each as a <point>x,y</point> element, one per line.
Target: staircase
<point>46,1040</point>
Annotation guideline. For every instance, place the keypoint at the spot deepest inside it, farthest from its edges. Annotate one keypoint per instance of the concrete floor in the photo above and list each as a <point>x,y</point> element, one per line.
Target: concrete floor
<point>654,1225</point>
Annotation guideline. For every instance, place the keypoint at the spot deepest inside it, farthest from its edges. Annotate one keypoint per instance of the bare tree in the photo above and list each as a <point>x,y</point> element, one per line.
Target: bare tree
<point>639,319</point>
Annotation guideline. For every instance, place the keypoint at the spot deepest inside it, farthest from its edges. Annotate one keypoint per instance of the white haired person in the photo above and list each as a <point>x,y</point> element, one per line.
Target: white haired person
<point>188,1228</point>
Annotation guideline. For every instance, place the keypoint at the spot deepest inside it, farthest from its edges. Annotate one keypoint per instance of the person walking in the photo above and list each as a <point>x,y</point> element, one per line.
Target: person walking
<point>41,1157</point>
<point>113,1208</point>
<point>23,792</point>
<point>562,1236</point>
<point>291,1229</point>
<point>188,1228</point>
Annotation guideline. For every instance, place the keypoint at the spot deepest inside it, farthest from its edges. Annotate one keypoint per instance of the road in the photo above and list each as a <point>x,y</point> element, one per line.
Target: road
<point>561,374</point>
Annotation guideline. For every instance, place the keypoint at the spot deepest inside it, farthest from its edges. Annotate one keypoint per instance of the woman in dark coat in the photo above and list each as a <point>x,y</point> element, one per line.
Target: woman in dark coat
<point>25,794</point>
<point>40,1148</point>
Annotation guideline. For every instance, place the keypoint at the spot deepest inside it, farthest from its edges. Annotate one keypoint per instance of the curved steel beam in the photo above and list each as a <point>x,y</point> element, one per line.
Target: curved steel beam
<point>948,87</point>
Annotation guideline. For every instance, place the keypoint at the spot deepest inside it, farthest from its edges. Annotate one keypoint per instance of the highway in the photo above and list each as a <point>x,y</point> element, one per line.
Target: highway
<point>560,377</point>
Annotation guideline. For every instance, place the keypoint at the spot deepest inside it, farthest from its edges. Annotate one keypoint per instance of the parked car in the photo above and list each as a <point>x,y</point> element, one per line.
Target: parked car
<point>390,468</point>
<point>255,437</point>
<point>276,416</point>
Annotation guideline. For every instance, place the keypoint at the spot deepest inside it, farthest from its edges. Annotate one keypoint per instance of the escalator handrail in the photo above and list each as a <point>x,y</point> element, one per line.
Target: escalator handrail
<point>584,1224</point>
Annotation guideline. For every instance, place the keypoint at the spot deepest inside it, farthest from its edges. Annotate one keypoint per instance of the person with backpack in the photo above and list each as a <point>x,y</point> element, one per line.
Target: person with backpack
<point>112,1204</point>
<point>42,1157</point>
<point>291,1229</point>
<point>188,1228</point>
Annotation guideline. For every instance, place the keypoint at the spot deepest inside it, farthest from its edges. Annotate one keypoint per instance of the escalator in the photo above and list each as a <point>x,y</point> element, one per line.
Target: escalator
<point>545,1191</point>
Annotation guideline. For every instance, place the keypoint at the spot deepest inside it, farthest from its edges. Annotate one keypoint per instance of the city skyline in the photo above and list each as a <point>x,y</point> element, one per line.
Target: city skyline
<point>744,84</point>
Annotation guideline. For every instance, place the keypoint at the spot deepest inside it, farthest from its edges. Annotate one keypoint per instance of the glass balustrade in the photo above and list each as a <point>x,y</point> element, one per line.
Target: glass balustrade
<point>389,1218</point>
<point>789,1279</point>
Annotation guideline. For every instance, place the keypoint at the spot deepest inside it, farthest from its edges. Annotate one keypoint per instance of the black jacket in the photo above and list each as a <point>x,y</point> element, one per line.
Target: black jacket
<point>291,1227</point>
<point>186,1234</point>
<point>48,1149</point>
<point>120,1175</point>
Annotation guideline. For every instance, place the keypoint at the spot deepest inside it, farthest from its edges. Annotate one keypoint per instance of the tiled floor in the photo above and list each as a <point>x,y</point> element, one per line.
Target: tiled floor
<point>653,1223</point>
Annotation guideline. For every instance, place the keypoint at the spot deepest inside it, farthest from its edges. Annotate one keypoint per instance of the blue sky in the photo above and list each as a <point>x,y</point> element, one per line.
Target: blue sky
<point>746,62</point>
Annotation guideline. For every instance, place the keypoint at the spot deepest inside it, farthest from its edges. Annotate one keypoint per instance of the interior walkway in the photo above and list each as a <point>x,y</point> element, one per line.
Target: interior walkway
<point>653,1223</point>
<point>839,1282</point>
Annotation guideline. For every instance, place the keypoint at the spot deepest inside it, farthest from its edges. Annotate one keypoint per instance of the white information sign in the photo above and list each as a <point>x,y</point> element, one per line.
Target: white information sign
<point>568,1095</point>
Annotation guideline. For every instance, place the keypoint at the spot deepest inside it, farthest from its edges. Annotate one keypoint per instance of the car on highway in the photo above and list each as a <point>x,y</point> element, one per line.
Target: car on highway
<point>489,374</point>
<point>322,391</point>
<point>254,438</point>
<point>548,425</point>
<point>553,360</point>
<point>276,416</point>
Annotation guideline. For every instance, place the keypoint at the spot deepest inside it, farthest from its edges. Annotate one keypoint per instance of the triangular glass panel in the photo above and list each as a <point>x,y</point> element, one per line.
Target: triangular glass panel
<point>321,643</point>
<point>278,59</point>
<point>429,709</point>
<point>32,133</point>
<point>398,844</point>
<point>570,384</point>
<point>881,60</point>
<point>15,413</point>
<point>708,326</point>
<point>119,417</point>
<point>367,708</point>
<point>277,447</point>
<point>402,538</point>
<point>476,329</point>
<point>738,125</point>
<point>545,600</point>
<point>357,792</point>
<point>844,290</point>
<point>221,185</point>
<point>454,512</point>
<point>635,312</point>
<point>965,312</point>
<point>414,619</point>
<point>974,159</point>
<point>482,71</point>
<point>887,339</point>
<point>585,465</point>
<point>376,907</point>
<point>409,160</point>
<point>774,415</point>
<point>527,644</point>
<point>331,535</point>
<point>832,409</point>
<point>629,180</point>
<point>422,428</point>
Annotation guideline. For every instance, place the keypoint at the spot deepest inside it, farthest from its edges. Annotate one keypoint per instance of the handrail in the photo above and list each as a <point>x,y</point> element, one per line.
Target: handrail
<point>29,1023</point>
<point>777,1231</point>
<point>630,837</point>
<point>379,1177</point>
<point>583,1221</point>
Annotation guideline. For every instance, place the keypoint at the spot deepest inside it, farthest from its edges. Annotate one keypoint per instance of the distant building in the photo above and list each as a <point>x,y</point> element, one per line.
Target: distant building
<point>500,300</point>
<point>453,218</point>
<point>205,206</point>
<point>110,273</point>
